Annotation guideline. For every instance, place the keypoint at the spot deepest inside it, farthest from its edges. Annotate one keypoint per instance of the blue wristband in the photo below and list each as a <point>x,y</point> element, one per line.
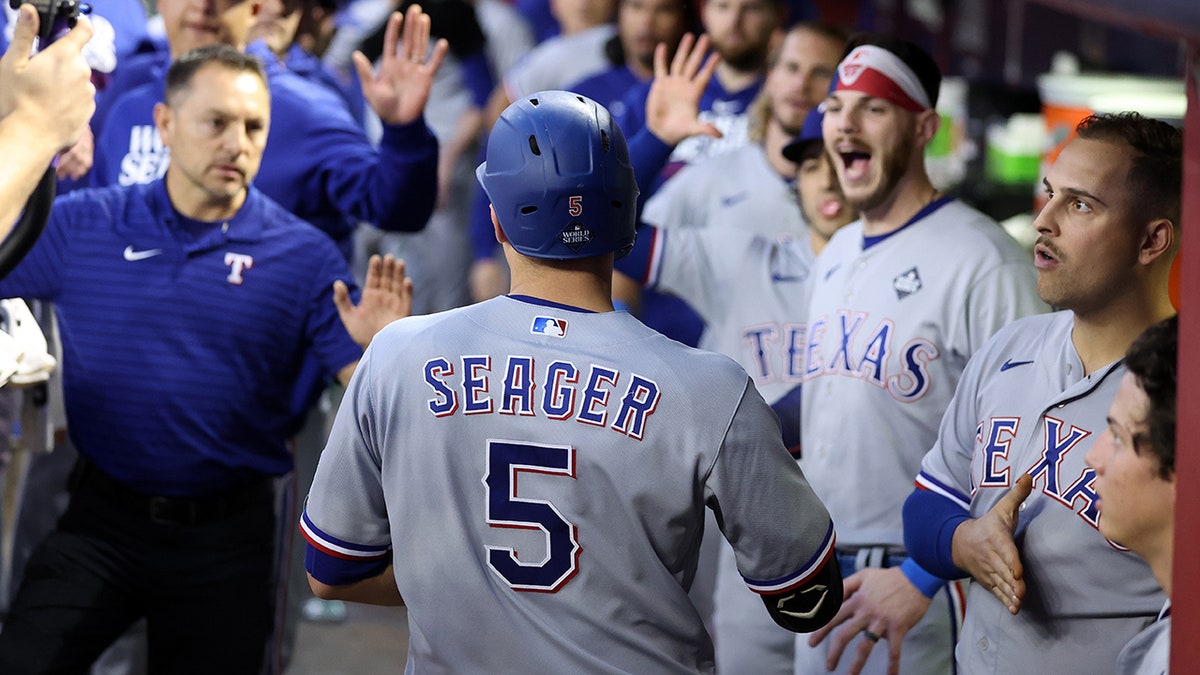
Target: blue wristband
<point>925,582</point>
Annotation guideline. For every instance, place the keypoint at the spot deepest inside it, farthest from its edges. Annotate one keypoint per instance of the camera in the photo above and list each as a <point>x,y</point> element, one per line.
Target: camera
<point>57,17</point>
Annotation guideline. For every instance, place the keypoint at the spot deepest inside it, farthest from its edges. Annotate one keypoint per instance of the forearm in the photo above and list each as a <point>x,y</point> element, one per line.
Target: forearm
<point>403,188</point>
<point>930,521</point>
<point>28,152</point>
<point>377,590</point>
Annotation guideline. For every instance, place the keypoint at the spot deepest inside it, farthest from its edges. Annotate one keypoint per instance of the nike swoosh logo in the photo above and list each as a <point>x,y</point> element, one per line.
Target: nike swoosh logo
<point>804,615</point>
<point>1013,364</point>
<point>776,277</point>
<point>132,255</point>
<point>733,199</point>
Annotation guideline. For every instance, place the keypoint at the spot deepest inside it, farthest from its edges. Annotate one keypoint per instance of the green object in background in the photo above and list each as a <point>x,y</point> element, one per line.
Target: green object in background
<point>1011,168</point>
<point>943,141</point>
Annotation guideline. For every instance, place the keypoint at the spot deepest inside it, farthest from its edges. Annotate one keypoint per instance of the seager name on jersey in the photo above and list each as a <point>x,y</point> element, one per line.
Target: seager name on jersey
<point>595,395</point>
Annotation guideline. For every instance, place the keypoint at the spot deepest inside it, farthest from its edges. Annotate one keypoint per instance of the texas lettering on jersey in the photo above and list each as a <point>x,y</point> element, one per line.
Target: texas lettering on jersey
<point>995,438</point>
<point>762,341</point>
<point>862,348</point>
<point>470,385</point>
<point>147,158</point>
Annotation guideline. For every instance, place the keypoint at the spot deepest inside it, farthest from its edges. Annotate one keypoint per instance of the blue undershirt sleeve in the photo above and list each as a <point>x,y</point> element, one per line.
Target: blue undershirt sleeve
<point>787,409</point>
<point>925,582</point>
<point>929,523</point>
<point>636,264</point>
<point>648,155</point>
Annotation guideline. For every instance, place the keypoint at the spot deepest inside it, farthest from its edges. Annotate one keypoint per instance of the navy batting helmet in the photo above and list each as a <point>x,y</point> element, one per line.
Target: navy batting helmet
<point>558,175</point>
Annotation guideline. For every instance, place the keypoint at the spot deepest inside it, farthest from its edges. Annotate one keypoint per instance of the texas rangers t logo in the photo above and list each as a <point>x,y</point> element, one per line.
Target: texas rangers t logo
<point>237,262</point>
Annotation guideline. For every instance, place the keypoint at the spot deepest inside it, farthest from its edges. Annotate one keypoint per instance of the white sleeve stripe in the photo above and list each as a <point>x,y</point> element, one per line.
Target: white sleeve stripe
<point>932,485</point>
<point>322,541</point>
<point>801,576</point>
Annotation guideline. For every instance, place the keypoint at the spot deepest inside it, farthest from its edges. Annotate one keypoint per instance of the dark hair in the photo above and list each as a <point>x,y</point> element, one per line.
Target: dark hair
<point>614,50</point>
<point>181,72</point>
<point>454,20</point>
<point>916,58</point>
<point>1152,359</point>
<point>1156,174</point>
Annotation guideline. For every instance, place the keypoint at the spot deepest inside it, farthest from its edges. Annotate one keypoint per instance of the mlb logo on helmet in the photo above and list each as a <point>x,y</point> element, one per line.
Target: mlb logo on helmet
<point>547,325</point>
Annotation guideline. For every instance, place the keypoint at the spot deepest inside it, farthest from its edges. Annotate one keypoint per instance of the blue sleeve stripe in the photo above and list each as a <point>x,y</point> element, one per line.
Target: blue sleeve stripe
<point>338,572</point>
<point>337,548</point>
<point>927,482</point>
<point>801,576</point>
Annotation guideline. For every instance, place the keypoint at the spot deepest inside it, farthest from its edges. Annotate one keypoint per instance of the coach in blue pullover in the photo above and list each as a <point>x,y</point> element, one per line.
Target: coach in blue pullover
<point>186,307</point>
<point>318,162</point>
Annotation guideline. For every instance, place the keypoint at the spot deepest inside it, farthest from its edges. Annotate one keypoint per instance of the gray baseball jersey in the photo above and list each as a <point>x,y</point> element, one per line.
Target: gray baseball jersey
<point>752,292</point>
<point>1149,652</point>
<point>738,189</point>
<point>560,61</point>
<point>891,325</point>
<point>1024,405</point>
<point>541,473</point>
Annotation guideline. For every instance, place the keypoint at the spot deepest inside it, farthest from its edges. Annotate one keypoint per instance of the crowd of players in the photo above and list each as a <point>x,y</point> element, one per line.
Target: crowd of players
<point>785,219</point>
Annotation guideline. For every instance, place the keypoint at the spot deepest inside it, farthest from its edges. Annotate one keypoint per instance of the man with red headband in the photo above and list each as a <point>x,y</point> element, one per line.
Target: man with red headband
<point>901,299</point>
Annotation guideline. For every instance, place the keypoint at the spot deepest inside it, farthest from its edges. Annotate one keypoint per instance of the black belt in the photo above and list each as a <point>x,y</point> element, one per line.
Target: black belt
<point>164,510</point>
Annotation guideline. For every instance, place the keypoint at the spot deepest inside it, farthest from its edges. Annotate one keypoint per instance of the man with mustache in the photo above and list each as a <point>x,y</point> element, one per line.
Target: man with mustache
<point>187,307</point>
<point>901,298</point>
<point>1005,495</point>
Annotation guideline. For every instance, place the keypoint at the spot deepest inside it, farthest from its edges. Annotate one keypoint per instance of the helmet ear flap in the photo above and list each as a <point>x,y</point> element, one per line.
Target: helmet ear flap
<point>559,177</point>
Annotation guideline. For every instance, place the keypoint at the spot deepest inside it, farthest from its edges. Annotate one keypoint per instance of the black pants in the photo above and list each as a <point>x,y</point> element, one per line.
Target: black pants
<point>203,582</point>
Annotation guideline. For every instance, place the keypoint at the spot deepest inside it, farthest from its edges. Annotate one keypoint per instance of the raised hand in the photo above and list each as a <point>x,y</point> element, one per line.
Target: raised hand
<point>50,94</point>
<point>386,297</point>
<point>673,103</point>
<point>984,547</point>
<point>399,90</point>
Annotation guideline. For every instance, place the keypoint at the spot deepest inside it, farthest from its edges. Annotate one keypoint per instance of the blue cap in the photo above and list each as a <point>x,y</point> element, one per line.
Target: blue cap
<point>802,146</point>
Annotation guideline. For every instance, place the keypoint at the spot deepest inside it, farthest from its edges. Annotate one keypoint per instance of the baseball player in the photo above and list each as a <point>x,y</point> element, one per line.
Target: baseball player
<point>569,449</point>
<point>1134,461</point>
<point>901,298</point>
<point>1005,494</point>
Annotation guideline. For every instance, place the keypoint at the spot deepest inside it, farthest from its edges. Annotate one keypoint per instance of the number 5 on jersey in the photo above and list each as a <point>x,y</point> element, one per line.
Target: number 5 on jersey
<point>506,460</point>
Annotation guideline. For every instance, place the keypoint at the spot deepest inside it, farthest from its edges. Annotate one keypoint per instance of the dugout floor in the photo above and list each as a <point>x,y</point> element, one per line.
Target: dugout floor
<point>372,640</point>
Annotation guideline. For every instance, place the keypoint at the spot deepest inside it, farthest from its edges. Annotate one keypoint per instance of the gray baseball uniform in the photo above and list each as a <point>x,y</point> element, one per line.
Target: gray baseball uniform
<point>739,189</point>
<point>1149,652</point>
<point>892,322</point>
<point>752,292</point>
<point>559,61</point>
<point>541,472</point>
<point>1024,405</point>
